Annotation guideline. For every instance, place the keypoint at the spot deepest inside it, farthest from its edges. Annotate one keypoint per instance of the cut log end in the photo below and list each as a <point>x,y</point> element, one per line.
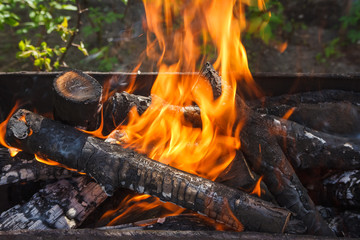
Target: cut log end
<point>78,87</point>
<point>77,98</point>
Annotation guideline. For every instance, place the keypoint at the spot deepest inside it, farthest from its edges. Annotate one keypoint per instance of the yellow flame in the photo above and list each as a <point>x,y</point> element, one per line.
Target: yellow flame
<point>176,32</point>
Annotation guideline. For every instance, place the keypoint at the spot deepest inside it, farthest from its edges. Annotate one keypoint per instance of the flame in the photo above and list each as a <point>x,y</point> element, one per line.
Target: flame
<point>132,206</point>
<point>53,163</point>
<point>289,113</point>
<point>257,188</point>
<point>13,151</point>
<point>164,135</point>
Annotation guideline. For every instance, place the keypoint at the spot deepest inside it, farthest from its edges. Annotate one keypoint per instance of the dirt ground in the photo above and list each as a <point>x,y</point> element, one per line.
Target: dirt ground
<point>316,24</point>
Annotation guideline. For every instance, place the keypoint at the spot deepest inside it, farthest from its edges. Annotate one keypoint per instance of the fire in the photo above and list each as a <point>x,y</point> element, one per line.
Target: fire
<point>13,151</point>
<point>289,113</point>
<point>162,134</point>
<point>257,188</point>
<point>53,163</point>
<point>132,206</point>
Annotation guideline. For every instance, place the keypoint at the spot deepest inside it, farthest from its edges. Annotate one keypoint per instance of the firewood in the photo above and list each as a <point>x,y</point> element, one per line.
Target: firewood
<point>339,118</point>
<point>340,190</point>
<point>114,166</point>
<point>267,158</point>
<point>310,149</point>
<point>118,106</point>
<point>24,169</point>
<point>77,99</point>
<point>61,205</point>
<point>311,97</point>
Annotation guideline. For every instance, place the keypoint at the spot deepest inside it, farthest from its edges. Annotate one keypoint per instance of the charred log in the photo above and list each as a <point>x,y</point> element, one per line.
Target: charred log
<point>113,167</point>
<point>340,118</point>
<point>310,149</point>
<point>77,99</point>
<point>267,158</point>
<point>118,106</point>
<point>24,169</point>
<point>340,190</point>
<point>62,205</point>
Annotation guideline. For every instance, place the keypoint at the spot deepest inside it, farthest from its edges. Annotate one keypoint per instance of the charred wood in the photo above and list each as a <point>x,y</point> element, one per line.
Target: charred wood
<point>267,158</point>
<point>113,167</point>
<point>77,99</point>
<point>314,97</point>
<point>25,168</point>
<point>61,205</point>
<point>118,106</point>
<point>310,149</point>
<point>340,118</point>
<point>343,223</point>
<point>340,190</point>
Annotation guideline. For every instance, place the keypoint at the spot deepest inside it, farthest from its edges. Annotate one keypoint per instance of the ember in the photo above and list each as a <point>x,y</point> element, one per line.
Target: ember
<point>196,142</point>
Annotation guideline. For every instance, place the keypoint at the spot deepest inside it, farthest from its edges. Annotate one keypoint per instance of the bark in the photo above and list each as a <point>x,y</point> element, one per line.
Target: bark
<point>118,106</point>
<point>310,149</point>
<point>266,157</point>
<point>113,167</point>
<point>62,205</point>
<point>340,190</point>
<point>21,169</point>
<point>339,118</point>
<point>77,99</point>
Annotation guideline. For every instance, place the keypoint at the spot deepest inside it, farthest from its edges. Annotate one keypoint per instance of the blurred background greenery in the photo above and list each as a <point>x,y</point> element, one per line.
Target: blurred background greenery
<point>94,35</point>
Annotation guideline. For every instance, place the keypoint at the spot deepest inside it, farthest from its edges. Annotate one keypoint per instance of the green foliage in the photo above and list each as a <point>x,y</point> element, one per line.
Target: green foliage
<point>98,18</point>
<point>102,55</point>
<point>331,49</point>
<point>351,23</point>
<point>265,24</point>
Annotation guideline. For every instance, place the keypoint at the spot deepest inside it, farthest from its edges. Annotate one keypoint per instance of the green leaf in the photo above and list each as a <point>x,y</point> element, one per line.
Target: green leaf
<point>22,45</point>
<point>38,62</point>
<point>56,64</point>
<point>83,49</point>
<point>69,7</point>
<point>11,22</point>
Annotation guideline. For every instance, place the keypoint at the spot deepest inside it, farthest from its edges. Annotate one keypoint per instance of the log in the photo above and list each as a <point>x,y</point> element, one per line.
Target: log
<point>267,158</point>
<point>24,169</point>
<point>62,205</point>
<point>118,106</point>
<point>77,99</point>
<point>182,222</point>
<point>339,118</point>
<point>113,166</point>
<point>311,97</point>
<point>343,223</point>
<point>310,149</point>
<point>340,190</point>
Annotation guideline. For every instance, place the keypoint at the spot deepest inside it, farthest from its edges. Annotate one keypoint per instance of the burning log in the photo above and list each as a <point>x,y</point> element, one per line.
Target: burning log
<point>20,169</point>
<point>64,204</point>
<point>267,158</point>
<point>77,99</point>
<point>113,166</point>
<point>118,106</point>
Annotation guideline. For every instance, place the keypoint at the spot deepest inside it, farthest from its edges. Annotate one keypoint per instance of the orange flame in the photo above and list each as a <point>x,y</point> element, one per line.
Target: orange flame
<point>13,151</point>
<point>257,188</point>
<point>289,113</point>
<point>133,205</point>
<point>53,163</point>
<point>162,134</point>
